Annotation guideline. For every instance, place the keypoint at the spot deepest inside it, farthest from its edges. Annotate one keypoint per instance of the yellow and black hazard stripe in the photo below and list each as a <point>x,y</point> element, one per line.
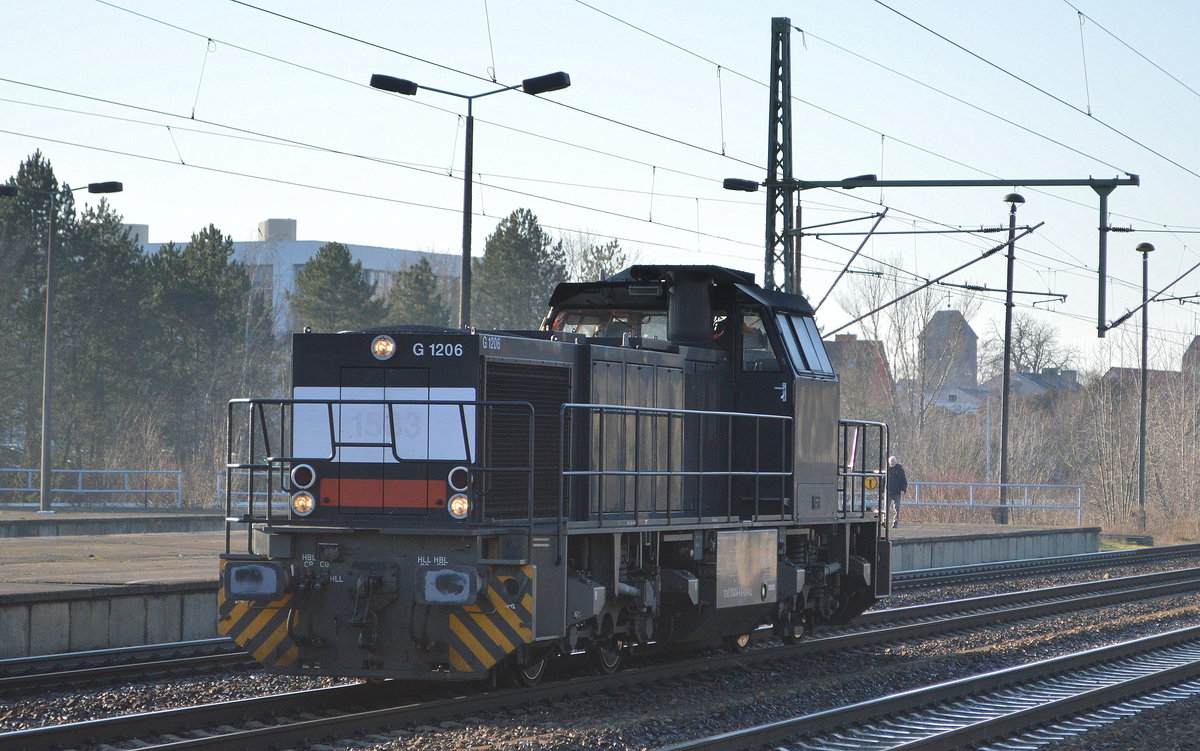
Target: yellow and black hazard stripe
<point>263,630</point>
<point>501,620</point>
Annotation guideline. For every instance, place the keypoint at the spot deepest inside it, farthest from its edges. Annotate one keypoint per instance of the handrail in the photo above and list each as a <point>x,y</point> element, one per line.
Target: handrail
<point>664,442</point>
<point>1024,503</point>
<point>259,435</point>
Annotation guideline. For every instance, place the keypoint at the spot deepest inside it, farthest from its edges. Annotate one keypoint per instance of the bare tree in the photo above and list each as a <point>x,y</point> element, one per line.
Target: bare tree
<point>589,258</point>
<point>1035,345</point>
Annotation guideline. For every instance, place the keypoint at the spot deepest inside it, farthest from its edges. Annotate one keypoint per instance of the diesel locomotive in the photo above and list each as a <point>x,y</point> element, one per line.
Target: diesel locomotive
<point>661,462</point>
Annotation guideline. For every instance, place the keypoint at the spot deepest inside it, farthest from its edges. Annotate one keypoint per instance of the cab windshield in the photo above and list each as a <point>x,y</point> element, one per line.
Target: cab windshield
<point>638,324</point>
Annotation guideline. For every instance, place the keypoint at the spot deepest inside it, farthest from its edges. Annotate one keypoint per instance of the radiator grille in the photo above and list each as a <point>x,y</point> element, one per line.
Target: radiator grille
<point>506,438</point>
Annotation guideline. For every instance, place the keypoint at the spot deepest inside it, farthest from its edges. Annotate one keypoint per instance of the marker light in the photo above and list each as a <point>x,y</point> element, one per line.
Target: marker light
<point>459,506</point>
<point>383,347</point>
<point>459,478</point>
<point>303,476</point>
<point>303,503</point>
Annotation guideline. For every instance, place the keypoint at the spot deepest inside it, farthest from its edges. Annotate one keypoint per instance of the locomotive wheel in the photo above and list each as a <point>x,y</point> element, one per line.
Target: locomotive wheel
<point>792,633</point>
<point>527,676</point>
<point>736,643</point>
<point>606,659</point>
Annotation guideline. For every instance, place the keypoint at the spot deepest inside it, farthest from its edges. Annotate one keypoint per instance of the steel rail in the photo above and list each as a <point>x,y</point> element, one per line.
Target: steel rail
<point>957,714</point>
<point>41,671</point>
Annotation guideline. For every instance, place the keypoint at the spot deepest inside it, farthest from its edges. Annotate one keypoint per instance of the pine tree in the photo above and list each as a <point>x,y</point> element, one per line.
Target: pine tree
<point>518,272</point>
<point>198,302</point>
<point>24,224</point>
<point>333,293</point>
<point>415,297</point>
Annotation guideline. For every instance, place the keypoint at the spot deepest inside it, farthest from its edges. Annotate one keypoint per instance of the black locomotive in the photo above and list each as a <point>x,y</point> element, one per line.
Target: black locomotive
<point>661,462</point>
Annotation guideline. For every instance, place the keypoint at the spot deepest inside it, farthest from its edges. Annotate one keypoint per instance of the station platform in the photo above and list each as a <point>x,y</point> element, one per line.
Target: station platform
<point>59,563</point>
<point>61,593</point>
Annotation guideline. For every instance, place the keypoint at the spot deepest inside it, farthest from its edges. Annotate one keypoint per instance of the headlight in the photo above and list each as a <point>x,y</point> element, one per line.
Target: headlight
<point>303,503</point>
<point>383,347</point>
<point>459,478</point>
<point>303,476</point>
<point>254,580</point>
<point>459,506</point>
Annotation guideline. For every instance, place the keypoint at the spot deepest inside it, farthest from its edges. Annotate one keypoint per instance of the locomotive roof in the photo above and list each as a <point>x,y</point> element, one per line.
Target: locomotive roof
<point>634,287</point>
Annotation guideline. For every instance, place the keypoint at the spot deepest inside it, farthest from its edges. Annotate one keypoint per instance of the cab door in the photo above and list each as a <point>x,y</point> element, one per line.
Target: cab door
<point>763,385</point>
<point>816,394</point>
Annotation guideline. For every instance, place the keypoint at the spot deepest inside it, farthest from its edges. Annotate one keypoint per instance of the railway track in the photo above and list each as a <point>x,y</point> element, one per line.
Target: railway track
<point>364,710</point>
<point>75,668</point>
<point>983,708</point>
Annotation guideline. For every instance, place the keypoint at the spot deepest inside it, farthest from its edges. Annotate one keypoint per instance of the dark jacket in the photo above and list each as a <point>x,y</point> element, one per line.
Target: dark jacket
<point>897,482</point>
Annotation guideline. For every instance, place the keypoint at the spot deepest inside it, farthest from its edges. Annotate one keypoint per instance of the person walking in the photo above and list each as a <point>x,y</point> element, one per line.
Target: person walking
<point>897,485</point>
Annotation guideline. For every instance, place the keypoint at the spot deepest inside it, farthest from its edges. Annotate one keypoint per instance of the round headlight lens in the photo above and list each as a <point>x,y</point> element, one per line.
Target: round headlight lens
<point>383,347</point>
<point>303,503</point>
<point>303,476</point>
<point>459,506</point>
<point>459,478</point>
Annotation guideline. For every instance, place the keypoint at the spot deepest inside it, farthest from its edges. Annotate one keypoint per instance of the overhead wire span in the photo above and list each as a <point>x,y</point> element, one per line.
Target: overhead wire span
<point>1113,129</point>
<point>988,253</point>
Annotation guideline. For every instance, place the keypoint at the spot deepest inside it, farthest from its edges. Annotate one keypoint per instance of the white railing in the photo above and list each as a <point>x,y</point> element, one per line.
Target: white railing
<point>986,495</point>
<point>85,482</point>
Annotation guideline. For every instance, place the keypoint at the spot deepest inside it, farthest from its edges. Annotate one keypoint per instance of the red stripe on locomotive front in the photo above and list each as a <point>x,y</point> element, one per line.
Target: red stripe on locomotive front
<point>362,493</point>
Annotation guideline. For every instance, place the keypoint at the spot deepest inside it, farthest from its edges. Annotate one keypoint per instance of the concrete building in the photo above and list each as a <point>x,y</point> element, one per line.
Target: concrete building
<point>862,366</point>
<point>277,255</point>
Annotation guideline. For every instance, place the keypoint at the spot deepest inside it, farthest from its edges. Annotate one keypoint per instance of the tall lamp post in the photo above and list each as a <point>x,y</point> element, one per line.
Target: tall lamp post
<point>1145,249</point>
<point>1014,200</point>
<point>538,85</point>
<point>44,479</point>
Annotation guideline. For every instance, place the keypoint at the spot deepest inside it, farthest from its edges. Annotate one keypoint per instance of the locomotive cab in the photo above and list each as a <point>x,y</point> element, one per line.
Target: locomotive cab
<point>661,462</point>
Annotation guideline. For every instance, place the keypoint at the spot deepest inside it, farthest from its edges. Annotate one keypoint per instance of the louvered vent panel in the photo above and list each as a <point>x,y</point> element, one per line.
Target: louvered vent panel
<point>507,445</point>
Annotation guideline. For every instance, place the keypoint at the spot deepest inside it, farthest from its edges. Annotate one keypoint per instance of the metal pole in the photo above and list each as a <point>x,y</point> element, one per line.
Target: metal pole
<point>1144,249</point>
<point>987,436</point>
<point>1013,199</point>
<point>45,491</point>
<point>464,303</point>
<point>1102,265</point>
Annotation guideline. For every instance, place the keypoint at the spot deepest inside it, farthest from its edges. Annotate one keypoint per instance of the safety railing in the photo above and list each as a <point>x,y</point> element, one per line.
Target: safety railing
<point>1019,498</point>
<point>267,437</point>
<point>111,486</point>
<point>655,465</point>
<point>862,473</point>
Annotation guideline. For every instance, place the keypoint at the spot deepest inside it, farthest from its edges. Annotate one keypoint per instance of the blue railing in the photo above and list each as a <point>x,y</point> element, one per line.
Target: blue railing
<point>98,482</point>
<point>987,495</point>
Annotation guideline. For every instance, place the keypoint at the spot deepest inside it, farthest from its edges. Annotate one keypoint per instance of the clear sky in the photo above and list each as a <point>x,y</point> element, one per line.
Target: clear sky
<point>222,112</point>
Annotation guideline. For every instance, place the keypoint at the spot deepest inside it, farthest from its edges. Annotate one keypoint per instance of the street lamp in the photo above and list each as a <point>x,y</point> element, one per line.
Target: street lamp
<point>538,85</point>
<point>1014,200</point>
<point>1145,249</point>
<point>44,484</point>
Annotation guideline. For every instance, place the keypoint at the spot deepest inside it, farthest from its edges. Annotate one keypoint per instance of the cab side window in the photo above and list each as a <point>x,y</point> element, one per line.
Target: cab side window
<point>804,345</point>
<point>757,352</point>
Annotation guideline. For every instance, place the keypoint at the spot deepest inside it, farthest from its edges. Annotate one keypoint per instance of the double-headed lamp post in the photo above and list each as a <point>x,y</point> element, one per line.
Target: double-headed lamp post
<point>539,85</point>
<point>1145,249</point>
<point>44,483</point>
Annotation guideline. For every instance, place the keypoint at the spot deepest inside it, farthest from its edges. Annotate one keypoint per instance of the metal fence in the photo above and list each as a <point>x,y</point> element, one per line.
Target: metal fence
<point>985,495</point>
<point>241,480</point>
<point>109,484</point>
